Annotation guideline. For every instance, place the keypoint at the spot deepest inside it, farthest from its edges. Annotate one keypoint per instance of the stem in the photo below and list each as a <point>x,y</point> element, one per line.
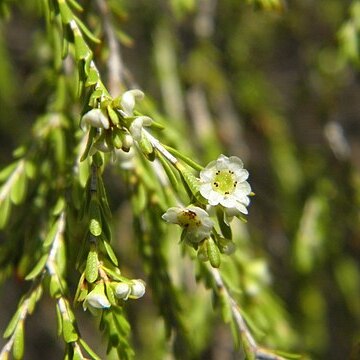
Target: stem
<point>256,351</point>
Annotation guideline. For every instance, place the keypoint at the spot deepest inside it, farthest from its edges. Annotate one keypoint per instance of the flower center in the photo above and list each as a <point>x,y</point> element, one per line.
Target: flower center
<point>224,182</point>
<point>188,219</point>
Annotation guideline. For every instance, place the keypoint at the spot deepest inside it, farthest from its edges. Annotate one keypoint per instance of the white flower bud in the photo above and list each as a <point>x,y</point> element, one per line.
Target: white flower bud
<point>96,118</point>
<point>137,289</point>
<point>137,126</point>
<point>128,100</point>
<point>122,290</point>
<point>96,299</point>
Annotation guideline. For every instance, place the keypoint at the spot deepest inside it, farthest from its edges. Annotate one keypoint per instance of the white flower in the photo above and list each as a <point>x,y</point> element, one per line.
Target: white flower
<point>194,220</point>
<point>223,182</point>
<point>96,300</point>
<point>128,101</point>
<point>137,289</point>
<point>137,125</point>
<point>96,118</point>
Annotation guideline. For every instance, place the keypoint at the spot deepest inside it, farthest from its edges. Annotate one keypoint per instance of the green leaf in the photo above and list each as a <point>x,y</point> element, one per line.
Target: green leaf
<point>75,5</point>
<point>184,158</point>
<point>65,12</point>
<point>86,31</point>
<point>69,332</point>
<point>6,172</point>
<point>82,51</point>
<point>95,224</point>
<point>113,115</point>
<point>225,229</point>
<point>34,298</point>
<point>89,350</point>
<point>213,253</point>
<point>18,345</point>
<point>5,209</point>
<point>59,320</point>
<point>90,140</point>
<point>59,207</point>
<point>51,235</point>
<point>30,169</point>
<point>18,189</point>
<point>111,253</point>
<point>110,294</point>
<point>169,171</point>
<point>13,323</point>
<point>39,267</point>
<point>193,184</point>
<point>92,78</point>
<point>54,287</point>
<point>92,266</point>
<point>147,148</point>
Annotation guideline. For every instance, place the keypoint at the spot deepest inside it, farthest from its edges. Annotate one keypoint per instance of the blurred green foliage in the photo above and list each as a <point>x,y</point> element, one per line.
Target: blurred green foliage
<point>273,82</point>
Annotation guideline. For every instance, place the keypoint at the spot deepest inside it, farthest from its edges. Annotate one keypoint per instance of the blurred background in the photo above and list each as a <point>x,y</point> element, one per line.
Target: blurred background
<point>278,87</point>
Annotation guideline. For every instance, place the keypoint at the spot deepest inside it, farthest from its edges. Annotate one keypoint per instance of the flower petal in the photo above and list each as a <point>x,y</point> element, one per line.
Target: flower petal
<point>171,214</point>
<point>128,100</point>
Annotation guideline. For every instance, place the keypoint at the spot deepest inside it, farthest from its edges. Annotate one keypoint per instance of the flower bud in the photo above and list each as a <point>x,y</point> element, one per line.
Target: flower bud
<point>137,289</point>
<point>122,290</point>
<point>128,100</point>
<point>96,299</point>
<point>96,118</point>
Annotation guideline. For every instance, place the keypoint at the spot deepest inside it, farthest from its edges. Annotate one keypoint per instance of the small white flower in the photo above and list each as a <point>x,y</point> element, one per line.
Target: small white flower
<point>128,101</point>
<point>122,290</point>
<point>137,289</point>
<point>137,125</point>
<point>223,182</point>
<point>96,118</point>
<point>194,220</point>
<point>96,300</point>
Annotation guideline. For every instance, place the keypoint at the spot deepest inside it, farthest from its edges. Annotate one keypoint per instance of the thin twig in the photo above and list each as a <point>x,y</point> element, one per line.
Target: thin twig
<point>256,350</point>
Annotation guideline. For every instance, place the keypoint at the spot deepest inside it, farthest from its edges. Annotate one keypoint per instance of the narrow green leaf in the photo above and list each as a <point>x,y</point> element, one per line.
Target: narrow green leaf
<point>69,332</point>
<point>5,209</point>
<point>30,169</point>
<point>193,184</point>
<point>18,345</point>
<point>82,50</point>
<point>92,78</point>
<point>95,224</point>
<point>225,229</point>
<point>54,287</point>
<point>6,172</point>
<point>110,294</point>
<point>18,189</point>
<point>113,115</point>
<point>213,253</point>
<point>59,207</point>
<point>111,253</point>
<point>90,140</point>
<point>34,298</point>
<point>169,171</point>
<point>39,267</point>
<point>92,266</point>
<point>51,234</point>
<point>75,5</point>
<point>13,323</point>
<point>89,350</point>
<point>184,158</point>
<point>147,148</point>
<point>86,31</point>
<point>59,321</point>
<point>65,12</point>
